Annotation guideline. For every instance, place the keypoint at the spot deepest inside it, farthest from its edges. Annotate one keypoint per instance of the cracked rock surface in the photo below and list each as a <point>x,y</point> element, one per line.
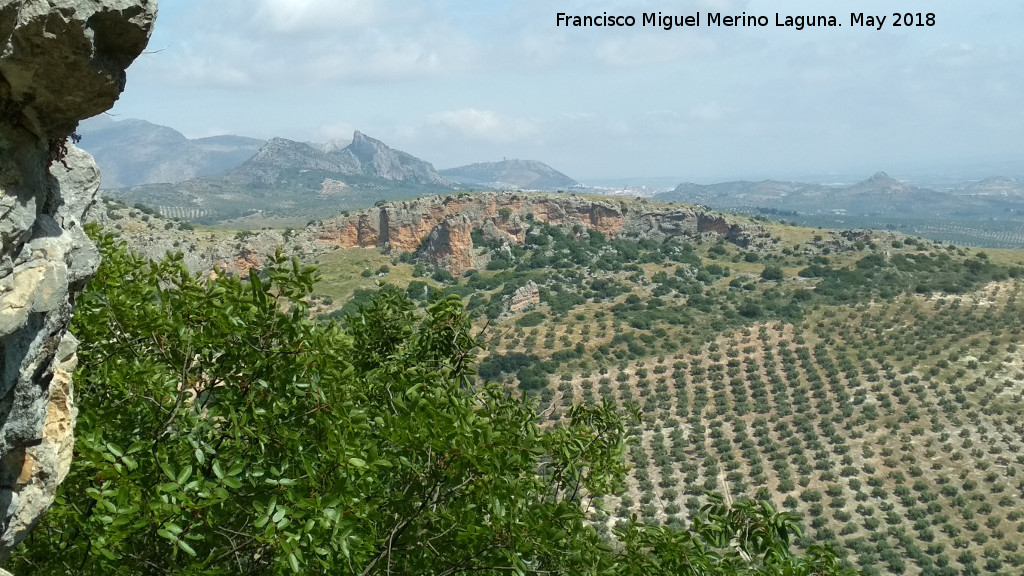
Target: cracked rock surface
<point>60,61</point>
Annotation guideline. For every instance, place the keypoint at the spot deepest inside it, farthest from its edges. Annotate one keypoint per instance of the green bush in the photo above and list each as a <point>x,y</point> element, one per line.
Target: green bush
<point>771,273</point>
<point>531,319</point>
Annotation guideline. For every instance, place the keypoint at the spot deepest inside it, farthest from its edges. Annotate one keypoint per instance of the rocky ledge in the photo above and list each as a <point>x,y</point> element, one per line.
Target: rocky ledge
<point>60,61</point>
<point>439,228</point>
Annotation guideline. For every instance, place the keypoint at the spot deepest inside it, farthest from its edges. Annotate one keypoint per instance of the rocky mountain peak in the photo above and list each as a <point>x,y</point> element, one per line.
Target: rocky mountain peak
<point>280,155</point>
<point>277,147</point>
<point>880,183</point>
<point>371,151</point>
<point>374,158</point>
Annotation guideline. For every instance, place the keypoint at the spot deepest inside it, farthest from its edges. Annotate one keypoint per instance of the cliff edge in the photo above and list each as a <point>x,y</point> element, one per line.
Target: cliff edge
<point>60,61</point>
<point>440,228</point>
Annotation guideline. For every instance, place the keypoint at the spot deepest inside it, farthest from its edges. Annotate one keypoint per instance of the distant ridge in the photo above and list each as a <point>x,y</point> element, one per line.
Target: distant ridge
<point>878,196</point>
<point>133,152</point>
<point>998,186</point>
<point>275,163</point>
<point>285,177</point>
<point>510,174</point>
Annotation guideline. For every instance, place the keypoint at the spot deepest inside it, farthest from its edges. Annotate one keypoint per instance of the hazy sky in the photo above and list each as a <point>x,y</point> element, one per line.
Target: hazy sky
<point>461,81</point>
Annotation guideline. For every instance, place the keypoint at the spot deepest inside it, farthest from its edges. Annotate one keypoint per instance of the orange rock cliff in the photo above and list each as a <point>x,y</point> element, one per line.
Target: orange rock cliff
<point>439,228</point>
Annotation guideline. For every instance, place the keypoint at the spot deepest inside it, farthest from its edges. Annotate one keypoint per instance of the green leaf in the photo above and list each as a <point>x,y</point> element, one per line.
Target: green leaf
<point>168,471</point>
<point>357,462</point>
<point>293,562</point>
<point>185,546</point>
<point>136,447</point>
<point>184,475</point>
<point>168,487</point>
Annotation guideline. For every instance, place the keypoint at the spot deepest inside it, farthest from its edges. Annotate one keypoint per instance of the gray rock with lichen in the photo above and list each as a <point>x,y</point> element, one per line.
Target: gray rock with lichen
<point>60,61</point>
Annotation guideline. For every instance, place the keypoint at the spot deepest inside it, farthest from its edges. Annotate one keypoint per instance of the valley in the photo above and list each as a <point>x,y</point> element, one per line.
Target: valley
<point>870,381</point>
<point>456,289</point>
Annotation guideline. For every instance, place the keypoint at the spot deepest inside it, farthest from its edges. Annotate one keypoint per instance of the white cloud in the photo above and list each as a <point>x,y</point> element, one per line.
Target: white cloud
<point>378,56</point>
<point>236,43</point>
<point>483,125</point>
<point>302,16</point>
<point>643,47</point>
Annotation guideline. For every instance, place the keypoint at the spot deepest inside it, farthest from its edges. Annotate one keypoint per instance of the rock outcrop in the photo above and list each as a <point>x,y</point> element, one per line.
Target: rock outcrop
<point>444,231</point>
<point>60,61</point>
<point>450,244</point>
<point>374,158</point>
<point>525,297</point>
<point>439,228</point>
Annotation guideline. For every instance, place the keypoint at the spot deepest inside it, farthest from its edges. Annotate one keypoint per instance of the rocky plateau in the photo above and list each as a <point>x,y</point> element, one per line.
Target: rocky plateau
<point>437,229</point>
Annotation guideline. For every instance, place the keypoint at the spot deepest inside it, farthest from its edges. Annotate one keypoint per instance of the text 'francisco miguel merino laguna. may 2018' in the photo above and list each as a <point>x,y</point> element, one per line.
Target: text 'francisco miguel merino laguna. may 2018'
<point>744,20</point>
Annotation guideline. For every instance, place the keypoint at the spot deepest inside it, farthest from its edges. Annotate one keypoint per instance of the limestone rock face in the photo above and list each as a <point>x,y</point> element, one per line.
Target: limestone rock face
<point>450,244</point>
<point>439,228</point>
<point>60,61</point>
<point>375,158</point>
<point>524,298</point>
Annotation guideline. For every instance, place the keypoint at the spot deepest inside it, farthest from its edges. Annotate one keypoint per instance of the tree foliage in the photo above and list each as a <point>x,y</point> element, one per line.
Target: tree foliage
<point>223,431</point>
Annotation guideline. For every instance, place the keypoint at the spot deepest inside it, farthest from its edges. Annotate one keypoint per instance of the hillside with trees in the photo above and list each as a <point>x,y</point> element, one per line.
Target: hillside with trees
<point>260,440</point>
<point>582,403</point>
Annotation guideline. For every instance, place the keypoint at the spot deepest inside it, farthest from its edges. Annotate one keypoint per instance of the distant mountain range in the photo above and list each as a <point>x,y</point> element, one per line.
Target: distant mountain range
<point>294,179</point>
<point>985,213</point>
<point>510,175</point>
<point>878,196</point>
<point>133,152</point>
<point>224,177</point>
<point>282,163</point>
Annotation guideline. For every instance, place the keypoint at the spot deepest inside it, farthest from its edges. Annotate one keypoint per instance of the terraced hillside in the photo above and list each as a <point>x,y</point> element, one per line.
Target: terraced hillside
<point>871,382</point>
<point>886,412</point>
<point>894,428</point>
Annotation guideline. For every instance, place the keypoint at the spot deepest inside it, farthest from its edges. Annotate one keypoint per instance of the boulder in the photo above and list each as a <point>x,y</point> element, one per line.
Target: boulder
<point>525,298</point>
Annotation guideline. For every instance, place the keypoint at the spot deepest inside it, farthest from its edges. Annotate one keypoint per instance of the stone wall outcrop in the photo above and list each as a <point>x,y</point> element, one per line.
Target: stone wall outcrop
<point>438,227</point>
<point>60,61</point>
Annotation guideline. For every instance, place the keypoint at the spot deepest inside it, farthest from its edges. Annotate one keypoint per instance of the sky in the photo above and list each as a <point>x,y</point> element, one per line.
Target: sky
<point>461,81</point>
